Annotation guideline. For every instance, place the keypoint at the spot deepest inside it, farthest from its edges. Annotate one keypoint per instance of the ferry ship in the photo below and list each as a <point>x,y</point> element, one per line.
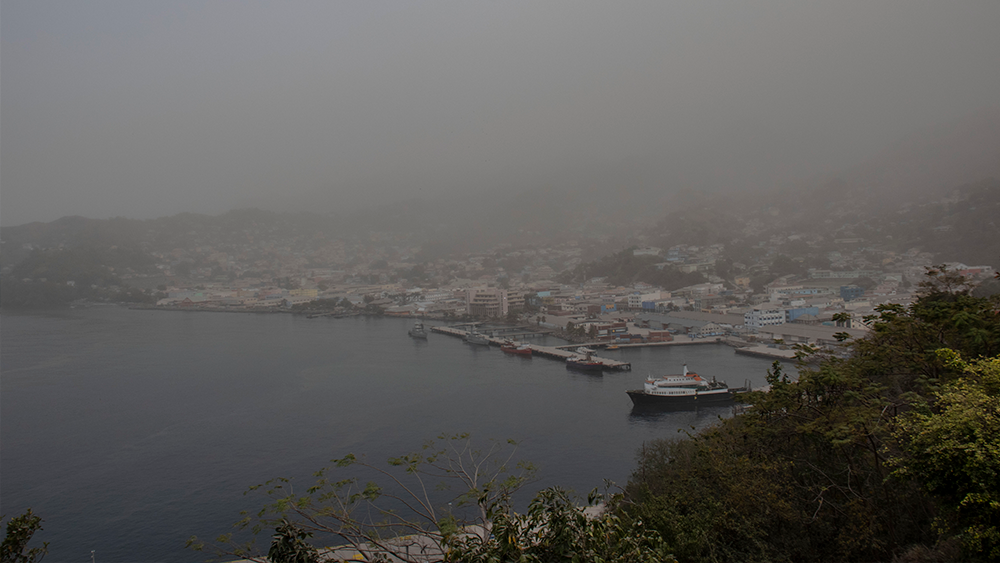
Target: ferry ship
<point>684,390</point>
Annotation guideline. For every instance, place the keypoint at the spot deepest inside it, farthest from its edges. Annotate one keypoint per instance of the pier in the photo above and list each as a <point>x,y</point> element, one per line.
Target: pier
<point>554,352</point>
<point>644,344</point>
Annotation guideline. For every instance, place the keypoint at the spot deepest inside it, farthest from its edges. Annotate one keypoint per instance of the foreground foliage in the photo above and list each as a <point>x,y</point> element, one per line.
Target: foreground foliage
<point>893,453</point>
<point>449,502</point>
<point>556,529</point>
<point>20,530</point>
<point>952,447</point>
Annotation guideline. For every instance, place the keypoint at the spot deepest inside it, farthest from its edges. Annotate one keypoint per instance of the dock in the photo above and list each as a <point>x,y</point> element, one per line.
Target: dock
<point>645,344</point>
<point>553,352</point>
<point>767,353</point>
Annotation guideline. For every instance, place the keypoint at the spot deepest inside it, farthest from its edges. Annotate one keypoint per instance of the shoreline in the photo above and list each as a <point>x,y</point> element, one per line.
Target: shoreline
<point>753,351</point>
<point>756,353</point>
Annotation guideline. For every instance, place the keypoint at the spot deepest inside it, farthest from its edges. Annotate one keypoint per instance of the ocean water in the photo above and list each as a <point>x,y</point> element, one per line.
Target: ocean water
<point>129,431</point>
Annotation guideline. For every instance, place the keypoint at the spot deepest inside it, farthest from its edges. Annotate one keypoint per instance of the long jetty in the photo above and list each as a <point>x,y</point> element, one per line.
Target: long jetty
<point>554,352</point>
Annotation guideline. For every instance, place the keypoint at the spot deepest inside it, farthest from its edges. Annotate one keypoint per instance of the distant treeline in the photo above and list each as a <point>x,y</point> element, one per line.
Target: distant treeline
<point>59,276</point>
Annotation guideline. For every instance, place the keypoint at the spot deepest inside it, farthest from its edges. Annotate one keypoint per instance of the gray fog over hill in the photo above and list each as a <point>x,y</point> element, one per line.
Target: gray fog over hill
<point>599,111</point>
<point>938,191</point>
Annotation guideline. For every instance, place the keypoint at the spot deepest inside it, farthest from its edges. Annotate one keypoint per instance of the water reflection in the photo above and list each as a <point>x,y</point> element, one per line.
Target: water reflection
<point>693,416</point>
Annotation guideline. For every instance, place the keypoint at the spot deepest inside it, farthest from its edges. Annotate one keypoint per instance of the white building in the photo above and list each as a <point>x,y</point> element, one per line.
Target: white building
<point>635,300</point>
<point>486,302</point>
<point>756,319</point>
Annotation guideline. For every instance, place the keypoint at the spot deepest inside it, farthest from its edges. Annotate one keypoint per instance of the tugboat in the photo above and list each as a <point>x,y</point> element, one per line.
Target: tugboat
<point>511,347</point>
<point>418,331</point>
<point>686,390</point>
<point>585,362</point>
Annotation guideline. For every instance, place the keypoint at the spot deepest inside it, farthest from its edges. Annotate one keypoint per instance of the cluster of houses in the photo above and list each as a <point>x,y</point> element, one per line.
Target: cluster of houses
<point>799,308</point>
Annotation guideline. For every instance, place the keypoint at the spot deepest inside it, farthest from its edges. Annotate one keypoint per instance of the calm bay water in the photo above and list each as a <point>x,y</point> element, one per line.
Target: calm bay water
<point>130,431</point>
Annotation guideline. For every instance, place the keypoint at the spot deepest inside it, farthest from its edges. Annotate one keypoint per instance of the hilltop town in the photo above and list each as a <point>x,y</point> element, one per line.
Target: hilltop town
<point>480,287</point>
<point>785,287</point>
<point>808,266</point>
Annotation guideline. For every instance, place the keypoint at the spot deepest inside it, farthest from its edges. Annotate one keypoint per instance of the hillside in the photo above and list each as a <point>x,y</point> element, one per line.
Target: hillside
<point>935,190</point>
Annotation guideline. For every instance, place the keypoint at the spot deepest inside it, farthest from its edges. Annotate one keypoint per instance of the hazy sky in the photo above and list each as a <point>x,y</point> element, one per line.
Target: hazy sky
<point>145,109</point>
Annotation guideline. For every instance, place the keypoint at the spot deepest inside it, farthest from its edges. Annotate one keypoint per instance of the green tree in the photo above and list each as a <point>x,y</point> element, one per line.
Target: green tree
<point>531,302</point>
<point>783,265</point>
<point>951,446</point>
<point>624,268</point>
<point>842,319</point>
<point>20,530</point>
<point>865,283</point>
<point>409,517</point>
<point>289,545</point>
<point>555,528</point>
<point>513,316</point>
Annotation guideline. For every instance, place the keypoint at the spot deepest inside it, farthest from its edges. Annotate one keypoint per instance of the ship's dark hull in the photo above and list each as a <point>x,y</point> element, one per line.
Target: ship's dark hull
<point>585,366</point>
<point>643,400</point>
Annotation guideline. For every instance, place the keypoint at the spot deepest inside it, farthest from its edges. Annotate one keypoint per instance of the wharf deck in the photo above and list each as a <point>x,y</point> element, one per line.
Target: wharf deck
<point>644,344</point>
<point>554,352</point>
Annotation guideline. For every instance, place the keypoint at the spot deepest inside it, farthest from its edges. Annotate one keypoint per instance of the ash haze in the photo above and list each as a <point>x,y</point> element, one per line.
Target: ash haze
<point>144,109</point>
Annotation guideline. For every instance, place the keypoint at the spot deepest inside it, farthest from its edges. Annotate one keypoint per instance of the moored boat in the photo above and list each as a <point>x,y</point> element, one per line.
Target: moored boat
<point>519,348</point>
<point>585,362</point>
<point>473,337</point>
<point>418,331</point>
<point>685,390</point>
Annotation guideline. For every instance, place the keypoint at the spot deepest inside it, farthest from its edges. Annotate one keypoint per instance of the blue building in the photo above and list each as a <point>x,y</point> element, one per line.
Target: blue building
<point>851,292</point>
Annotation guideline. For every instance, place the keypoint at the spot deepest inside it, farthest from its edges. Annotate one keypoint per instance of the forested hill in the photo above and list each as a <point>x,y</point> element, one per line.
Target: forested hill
<point>184,230</point>
<point>890,455</point>
<point>959,224</point>
<point>625,269</point>
<point>937,189</point>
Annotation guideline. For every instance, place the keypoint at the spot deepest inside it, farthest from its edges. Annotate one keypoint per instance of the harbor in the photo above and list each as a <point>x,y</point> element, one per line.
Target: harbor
<point>560,353</point>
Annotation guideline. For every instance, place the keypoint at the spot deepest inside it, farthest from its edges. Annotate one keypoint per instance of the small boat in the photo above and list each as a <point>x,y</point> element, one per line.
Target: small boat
<point>585,362</point>
<point>686,390</point>
<point>611,347</point>
<point>473,337</point>
<point>519,348</point>
<point>418,331</point>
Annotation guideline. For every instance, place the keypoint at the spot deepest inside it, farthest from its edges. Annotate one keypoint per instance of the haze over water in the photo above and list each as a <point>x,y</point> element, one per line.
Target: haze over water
<point>130,431</point>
